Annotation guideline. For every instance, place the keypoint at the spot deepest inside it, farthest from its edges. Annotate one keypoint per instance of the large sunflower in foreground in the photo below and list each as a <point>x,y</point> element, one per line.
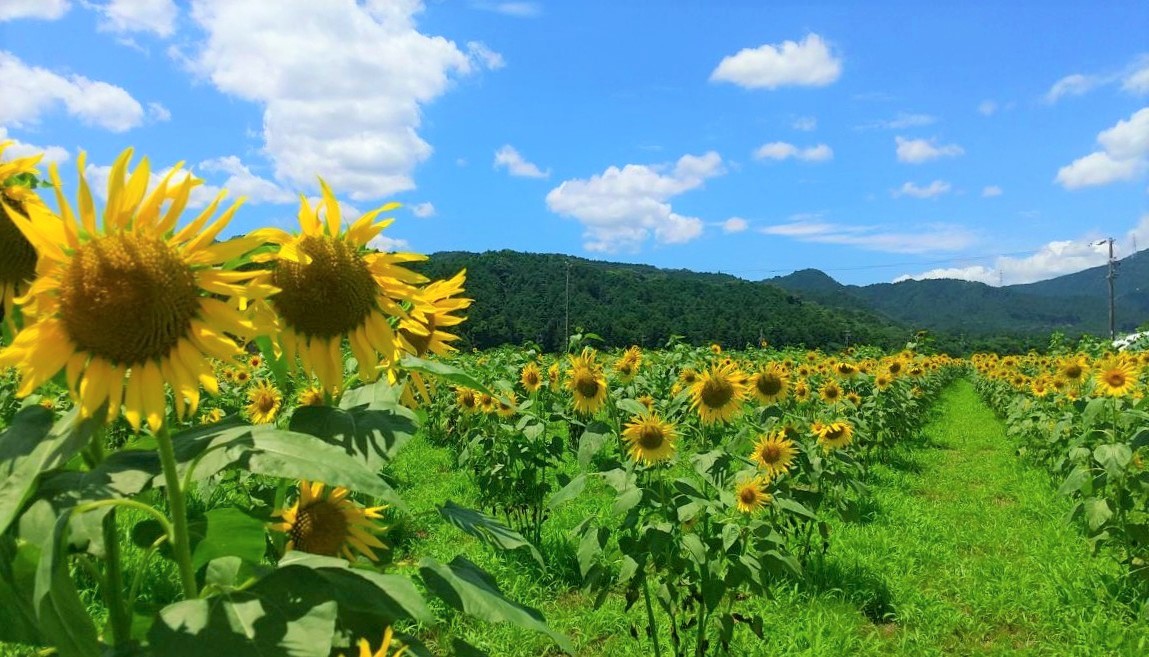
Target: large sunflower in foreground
<point>17,255</point>
<point>1116,377</point>
<point>333,288</point>
<point>131,304</point>
<point>327,522</point>
<point>651,439</point>
<point>718,393</point>
<point>384,648</point>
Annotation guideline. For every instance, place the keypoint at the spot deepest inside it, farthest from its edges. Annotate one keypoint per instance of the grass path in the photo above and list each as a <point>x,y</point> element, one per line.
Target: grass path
<point>969,553</point>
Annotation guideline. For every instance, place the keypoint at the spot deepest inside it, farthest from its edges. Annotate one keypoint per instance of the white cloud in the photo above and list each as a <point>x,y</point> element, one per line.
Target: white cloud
<point>242,182</point>
<point>1125,155</point>
<point>423,210</point>
<point>808,63</point>
<point>155,16</point>
<point>42,9</point>
<point>342,85</point>
<point>900,121</point>
<point>1136,79</point>
<point>158,113</point>
<point>990,191</point>
<point>517,9</point>
<point>388,244</point>
<point>17,148</point>
<point>735,225</point>
<point>936,188</point>
<point>1071,85</point>
<point>811,228</point>
<point>1052,259</point>
<point>481,53</point>
<point>31,91</point>
<point>987,107</point>
<point>805,123</point>
<point>916,151</point>
<point>780,150</point>
<point>621,207</point>
<point>510,159</point>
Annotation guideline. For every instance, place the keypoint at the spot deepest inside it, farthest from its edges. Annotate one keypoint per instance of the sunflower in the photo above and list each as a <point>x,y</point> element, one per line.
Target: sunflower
<point>17,255</point>
<point>507,405</point>
<point>845,370</point>
<point>255,361</point>
<point>554,376</point>
<point>801,391</point>
<point>313,396</point>
<point>718,393</point>
<point>328,523</point>
<point>1074,369</point>
<point>531,377</point>
<point>587,383</point>
<point>831,393</point>
<point>242,376</point>
<point>770,384</point>
<point>883,381</point>
<point>647,401</point>
<point>774,452</point>
<point>422,331</point>
<point>854,398</point>
<point>467,400</point>
<point>627,364</point>
<point>211,417</point>
<point>1116,377</point>
<point>750,495</point>
<point>834,435</point>
<point>715,348</point>
<point>264,401</point>
<point>384,648</point>
<point>132,304</point>
<point>486,403</point>
<point>332,289</point>
<point>651,438</point>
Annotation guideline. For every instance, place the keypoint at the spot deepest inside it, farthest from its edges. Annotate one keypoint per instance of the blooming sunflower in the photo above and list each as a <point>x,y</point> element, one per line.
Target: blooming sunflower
<point>834,435</point>
<point>327,522</point>
<point>17,255</point>
<point>587,383</point>
<point>750,495</point>
<point>313,396</point>
<point>467,400</point>
<point>1116,377</point>
<point>774,452</point>
<point>801,391</point>
<point>770,384</point>
<point>845,370</point>
<point>651,438</point>
<point>211,417</point>
<point>554,376</point>
<point>831,393</point>
<point>384,648</point>
<point>531,377</point>
<point>507,405</point>
<point>883,381</point>
<point>422,332</point>
<point>718,393</point>
<point>332,288</point>
<point>1074,369</point>
<point>133,304</point>
<point>854,398</point>
<point>264,401</point>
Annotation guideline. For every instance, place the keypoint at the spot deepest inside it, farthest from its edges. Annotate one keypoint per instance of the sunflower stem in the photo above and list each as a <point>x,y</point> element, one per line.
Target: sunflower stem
<point>181,546</point>
<point>113,581</point>
<point>650,618</point>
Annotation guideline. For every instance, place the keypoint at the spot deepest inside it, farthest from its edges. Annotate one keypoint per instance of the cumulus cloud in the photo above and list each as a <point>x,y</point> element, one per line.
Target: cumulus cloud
<point>388,244</point>
<point>936,188</point>
<point>805,123</point>
<point>1136,78</point>
<point>916,151</point>
<point>987,107</point>
<point>17,148</point>
<point>242,182</point>
<point>43,9</point>
<point>423,210</point>
<point>1052,259</point>
<point>508,158</point>
<point>621,207</point>
<point>780,150</point>
<point>934,237</point>
<point>342,85</point>
<point>122,16</point>
<point>31,91</point>
<point>990,191</point>
<point>1124,155</point>
<point>808,63</point>
<point>735,225</point>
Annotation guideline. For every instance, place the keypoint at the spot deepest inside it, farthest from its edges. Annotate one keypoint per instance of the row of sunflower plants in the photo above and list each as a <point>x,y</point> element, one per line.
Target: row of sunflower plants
<point>194,427</point>
<point>723,468</point>
<point>1085,418</point>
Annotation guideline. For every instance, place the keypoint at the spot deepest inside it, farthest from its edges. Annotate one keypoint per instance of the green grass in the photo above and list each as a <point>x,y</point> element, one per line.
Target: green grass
<point>964,550</point>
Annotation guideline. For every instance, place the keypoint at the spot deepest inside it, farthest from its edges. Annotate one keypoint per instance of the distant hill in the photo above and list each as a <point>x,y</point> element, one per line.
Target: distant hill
<point>1074,303</point>
<point>522,297</point>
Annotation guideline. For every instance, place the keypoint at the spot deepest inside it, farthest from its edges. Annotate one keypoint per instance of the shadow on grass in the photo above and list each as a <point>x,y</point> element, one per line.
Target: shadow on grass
<point>853,583</point>
<point>861,511</point>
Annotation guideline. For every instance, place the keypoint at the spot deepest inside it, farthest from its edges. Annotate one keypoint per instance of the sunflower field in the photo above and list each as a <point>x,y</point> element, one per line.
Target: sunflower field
<point>274,515</point>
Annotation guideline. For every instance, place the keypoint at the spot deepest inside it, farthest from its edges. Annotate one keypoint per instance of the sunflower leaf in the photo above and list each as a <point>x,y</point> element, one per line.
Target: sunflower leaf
<point>230,532</point>
<point>488,530</point>
<point>444,371</point>
<point>62,616</point>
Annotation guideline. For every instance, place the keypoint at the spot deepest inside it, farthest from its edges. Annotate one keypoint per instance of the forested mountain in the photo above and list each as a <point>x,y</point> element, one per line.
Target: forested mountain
<point>522,296</point>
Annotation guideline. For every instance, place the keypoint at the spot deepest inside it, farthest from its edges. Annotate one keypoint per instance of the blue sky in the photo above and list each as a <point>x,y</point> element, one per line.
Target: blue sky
<point>986,141</point>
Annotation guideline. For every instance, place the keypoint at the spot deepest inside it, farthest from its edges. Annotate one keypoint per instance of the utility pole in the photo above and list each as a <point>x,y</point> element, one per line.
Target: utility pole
<point>1111,276</point>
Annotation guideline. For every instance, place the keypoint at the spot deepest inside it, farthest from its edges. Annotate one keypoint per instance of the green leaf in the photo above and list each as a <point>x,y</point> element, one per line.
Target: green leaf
<point>633,406</point>
<point>443,371</point>
<point>371,435</point>
<point>230,533</point>
<point>488,530</point>
<point>63,619</point>
<point>17,580</point>
<point>1097,512</point>
<point>385,598</point>
<point>567,493</point>
<point>794,506</point>
<point>1076,479</point>
<point>32,445</point>
<point>466,587</point>
<point>1114,458</point>
<point>591,442</point>
<point>290,612</point>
